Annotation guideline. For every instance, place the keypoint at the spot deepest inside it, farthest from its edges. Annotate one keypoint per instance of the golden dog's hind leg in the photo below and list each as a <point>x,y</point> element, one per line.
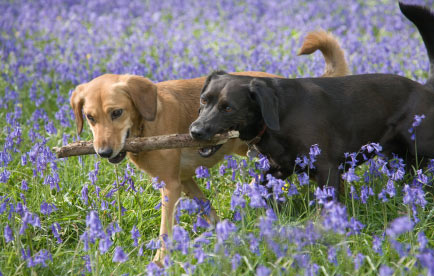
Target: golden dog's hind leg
<point>170,196</point>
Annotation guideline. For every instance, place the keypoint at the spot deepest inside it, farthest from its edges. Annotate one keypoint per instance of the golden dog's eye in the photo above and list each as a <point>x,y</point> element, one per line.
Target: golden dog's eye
<point>116,113</point>
<point>203,101</point>
<point>90,118</point>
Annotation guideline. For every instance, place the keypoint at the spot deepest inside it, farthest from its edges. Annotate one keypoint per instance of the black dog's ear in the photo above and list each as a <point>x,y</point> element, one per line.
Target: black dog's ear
<point>210,77</point>
<point>267,100</point>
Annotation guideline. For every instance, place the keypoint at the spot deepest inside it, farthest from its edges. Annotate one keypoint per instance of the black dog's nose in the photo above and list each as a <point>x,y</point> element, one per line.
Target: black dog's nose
<point>197,133</point>
<point>106,153</point>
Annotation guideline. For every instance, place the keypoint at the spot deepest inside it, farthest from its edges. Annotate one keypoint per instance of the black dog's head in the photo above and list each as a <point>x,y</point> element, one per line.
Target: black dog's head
<point>234,102</point>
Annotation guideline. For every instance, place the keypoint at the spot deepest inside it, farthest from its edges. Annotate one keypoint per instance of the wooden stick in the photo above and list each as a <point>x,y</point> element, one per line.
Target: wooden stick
<point>147,143</point>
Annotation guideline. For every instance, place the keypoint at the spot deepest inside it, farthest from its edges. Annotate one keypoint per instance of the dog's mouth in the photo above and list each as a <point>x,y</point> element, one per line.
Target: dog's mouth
<point>118,158</point>
<point>121,155</point>
<point>208,151</point>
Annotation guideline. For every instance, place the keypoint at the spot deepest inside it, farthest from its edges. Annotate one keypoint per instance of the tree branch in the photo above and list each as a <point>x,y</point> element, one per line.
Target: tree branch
<point>146,144</point>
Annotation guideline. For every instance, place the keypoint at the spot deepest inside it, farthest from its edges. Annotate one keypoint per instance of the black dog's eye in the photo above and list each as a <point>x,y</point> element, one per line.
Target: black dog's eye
<point>116,113</point>
<point>225,108</point>
<point>90,118</point>
<point>203,101</point>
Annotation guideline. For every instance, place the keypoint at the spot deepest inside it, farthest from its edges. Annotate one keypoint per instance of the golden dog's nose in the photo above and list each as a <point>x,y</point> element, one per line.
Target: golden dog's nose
<point>105,153</point>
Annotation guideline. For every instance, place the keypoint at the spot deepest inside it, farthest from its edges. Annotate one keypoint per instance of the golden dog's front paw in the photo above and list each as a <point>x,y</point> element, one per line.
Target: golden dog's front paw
<point>159,257</point>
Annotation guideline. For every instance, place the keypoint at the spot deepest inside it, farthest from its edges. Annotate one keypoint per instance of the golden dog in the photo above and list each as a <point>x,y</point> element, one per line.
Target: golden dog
<point>121,106</point>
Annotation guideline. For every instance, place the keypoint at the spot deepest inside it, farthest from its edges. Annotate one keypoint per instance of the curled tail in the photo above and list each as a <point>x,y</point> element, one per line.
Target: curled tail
<point>423,18</point>
<point>334,56</point>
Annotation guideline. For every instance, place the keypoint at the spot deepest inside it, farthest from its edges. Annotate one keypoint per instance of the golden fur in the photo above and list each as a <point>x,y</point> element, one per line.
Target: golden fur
<point>334,56</point>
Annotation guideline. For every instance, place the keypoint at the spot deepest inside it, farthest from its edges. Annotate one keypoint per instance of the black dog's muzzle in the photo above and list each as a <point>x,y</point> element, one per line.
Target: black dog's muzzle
<point>203,133</point>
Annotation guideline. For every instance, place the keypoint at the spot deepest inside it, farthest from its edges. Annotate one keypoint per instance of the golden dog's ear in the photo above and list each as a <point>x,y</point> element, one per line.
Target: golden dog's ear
<point>143,94</point>
<point>77,101</point>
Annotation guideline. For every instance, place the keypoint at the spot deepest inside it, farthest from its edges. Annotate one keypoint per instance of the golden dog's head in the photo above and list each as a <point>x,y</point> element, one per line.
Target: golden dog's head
<point>114,106</point>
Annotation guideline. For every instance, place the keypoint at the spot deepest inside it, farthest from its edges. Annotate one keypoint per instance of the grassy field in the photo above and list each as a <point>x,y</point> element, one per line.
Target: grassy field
<point>82,215</point>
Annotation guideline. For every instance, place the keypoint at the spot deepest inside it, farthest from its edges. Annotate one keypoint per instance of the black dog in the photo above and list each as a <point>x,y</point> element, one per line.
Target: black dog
<point>341,114</point>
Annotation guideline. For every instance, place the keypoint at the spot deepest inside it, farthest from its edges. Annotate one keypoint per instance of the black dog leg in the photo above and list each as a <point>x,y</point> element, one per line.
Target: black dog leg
<point>328,175</point>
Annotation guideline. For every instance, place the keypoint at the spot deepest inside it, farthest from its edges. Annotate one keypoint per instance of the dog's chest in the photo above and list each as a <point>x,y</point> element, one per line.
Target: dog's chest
<point>190,160</point>
<point>279,153</point>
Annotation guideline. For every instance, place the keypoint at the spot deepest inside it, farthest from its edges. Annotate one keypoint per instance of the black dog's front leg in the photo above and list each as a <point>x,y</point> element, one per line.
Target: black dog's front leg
<point>274,171</point>
<point>277,172</point>
<point>328,175</point>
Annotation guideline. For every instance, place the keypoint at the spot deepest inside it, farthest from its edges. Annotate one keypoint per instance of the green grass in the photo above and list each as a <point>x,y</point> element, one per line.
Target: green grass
<point>71,214</point>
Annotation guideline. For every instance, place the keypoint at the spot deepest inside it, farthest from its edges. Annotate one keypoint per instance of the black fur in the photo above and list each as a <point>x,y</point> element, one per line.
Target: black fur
<point>339,114</point>
<point>267,99</point>
<point>423,18</point>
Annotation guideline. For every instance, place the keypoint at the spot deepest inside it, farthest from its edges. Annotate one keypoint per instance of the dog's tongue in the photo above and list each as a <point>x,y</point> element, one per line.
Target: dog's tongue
<point>205,152</point>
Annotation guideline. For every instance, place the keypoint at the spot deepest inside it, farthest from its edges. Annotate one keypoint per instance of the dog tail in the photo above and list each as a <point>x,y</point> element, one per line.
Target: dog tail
<point>423,18</point>
<point>334,56</point>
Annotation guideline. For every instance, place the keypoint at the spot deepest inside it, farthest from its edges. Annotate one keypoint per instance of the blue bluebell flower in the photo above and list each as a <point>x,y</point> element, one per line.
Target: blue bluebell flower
<point>135,235</point>
<point>224,229</point>
<point>350,176</point>
<point>104,244</point>
<point>332,255</point>
<point>358,261</point>
<point>322,196</point>
<point>40,258</point>
<point>422,240</point>
<point>399,226</point>
<point>157,184</point>
<point>119,255</point>
<point>199,254</point>
<point>153,269</point>
<point>303,179</point>
<point>153,244</point>
<point>8,234</point>
<point>262,271</point>
<point>365,193</point>
<point>263,163</point>
<point>189,268</point>
<point>426,260</point>
<point>253,244</point>
<point>84,195</point>
<point>335,217</point>
<point>200,222</point>
<point>181,239</point>
<point>236,260</point>
<point>372,147</point>
<point>385,270</point>
<point>202,172</point>
<point>55,228</point>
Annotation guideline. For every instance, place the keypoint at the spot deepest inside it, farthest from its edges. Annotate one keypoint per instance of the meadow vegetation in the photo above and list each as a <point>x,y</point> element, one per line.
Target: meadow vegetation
<point>82,215</point>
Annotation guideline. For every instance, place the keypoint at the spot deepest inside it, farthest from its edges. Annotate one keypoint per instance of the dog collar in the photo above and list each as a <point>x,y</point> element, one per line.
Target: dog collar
<point>258,137</point>
<point>252,151</point>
